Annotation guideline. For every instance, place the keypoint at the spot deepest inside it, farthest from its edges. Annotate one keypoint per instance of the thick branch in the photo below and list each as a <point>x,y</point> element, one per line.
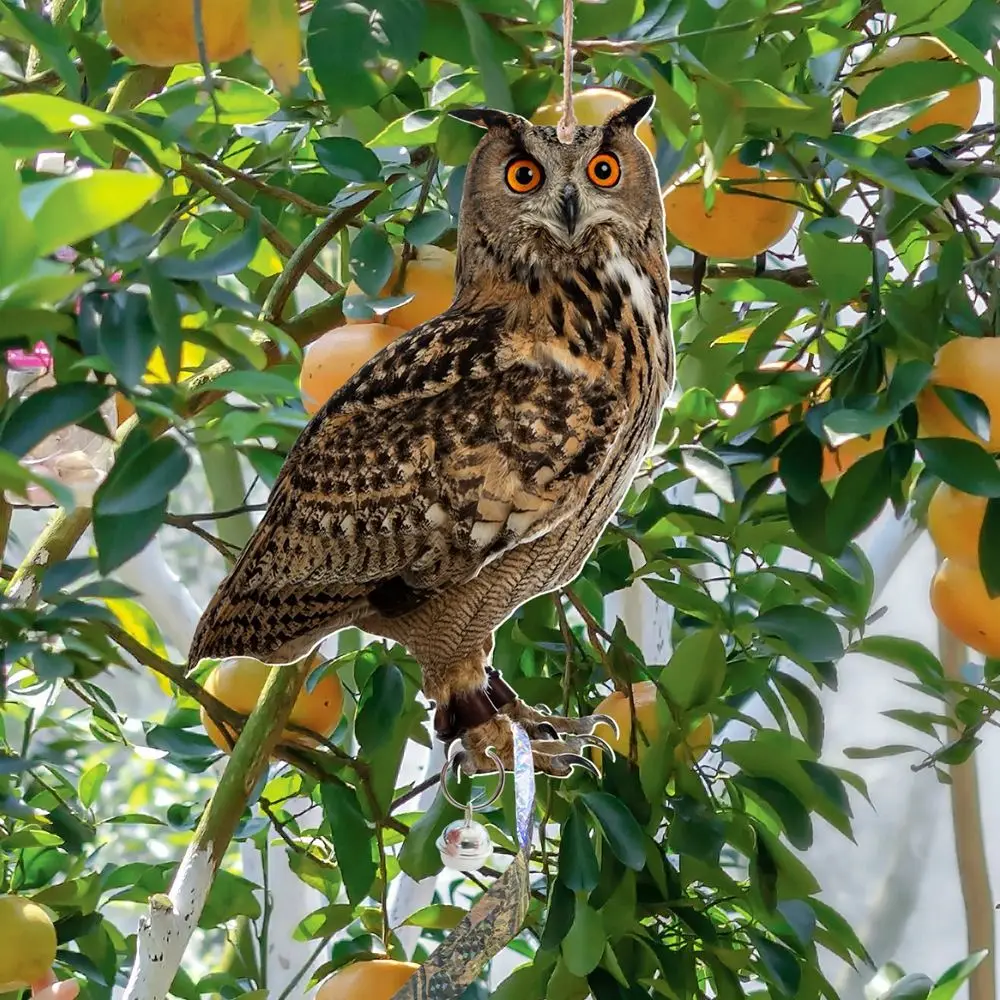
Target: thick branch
<point>165,931</point>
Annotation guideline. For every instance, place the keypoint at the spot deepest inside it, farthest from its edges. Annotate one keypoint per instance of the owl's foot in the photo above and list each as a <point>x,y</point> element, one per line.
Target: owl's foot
<point>482,721</point>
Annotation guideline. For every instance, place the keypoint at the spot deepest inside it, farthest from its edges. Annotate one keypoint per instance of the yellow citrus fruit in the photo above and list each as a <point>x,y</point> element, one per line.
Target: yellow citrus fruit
<point>237,682</point>
<point>330,360</point>
<point>963,605</point>
<point>429,278</point>
<point>592,107</point>
<point>741,223</point>
<point>29,943</point>
<point>954,520</point>
<point>959,108</point>
<point>161,32</point>
<point>693,748</point>
<point>376,980</point>
<point>973,365</point>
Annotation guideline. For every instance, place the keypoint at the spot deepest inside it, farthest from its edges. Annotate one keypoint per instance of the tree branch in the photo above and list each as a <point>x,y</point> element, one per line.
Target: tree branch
<point>245,210</point>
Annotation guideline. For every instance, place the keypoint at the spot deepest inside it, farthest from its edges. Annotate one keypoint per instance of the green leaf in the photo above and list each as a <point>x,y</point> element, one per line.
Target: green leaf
<point>968,408</point>
<point>924,14</point>
<point>438,916</point>
<point>346,37</point>
<point>709,469</point>
<point>165,312</point>
<point>48,410</point>
<point>427,227</point>
<point>780,964</point>
<point>231,896</point>
<point>19,243</point>
<point>809,632</point>
<point>419,857</point>
<point>578,868</point>
<point>352,840</point>
<point>324,923</point>
<point>952,979</point>
<point>372,259</point>
<point>908,653</point>
<point>232,102</point>
<point>583,945</point>
<point>858,499</point>
<point>233,257</point>
<point>127,336</point>
<point>914,986</point>
<point>50,41</point>
<point>119,537</point>
<point>989,547</point>
<point>90,782</point>
<point>347,159</point>
<point>380,708</point>
<point>67,209</point>
<point>490,69</point>
<point>418,128</point>
<point>696,672</point>
<point>963,464</point>
<point>876,164</point>
<point>143,480</point>
<point>623,833</point>
<point>841,269</point>
<point>910,80</point>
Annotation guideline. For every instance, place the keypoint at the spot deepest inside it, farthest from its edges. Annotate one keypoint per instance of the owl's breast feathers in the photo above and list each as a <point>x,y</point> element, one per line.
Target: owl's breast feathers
<point>473,434</point>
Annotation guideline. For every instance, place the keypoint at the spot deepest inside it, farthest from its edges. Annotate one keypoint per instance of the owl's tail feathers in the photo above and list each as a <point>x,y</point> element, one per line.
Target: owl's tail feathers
<point>273,627</point>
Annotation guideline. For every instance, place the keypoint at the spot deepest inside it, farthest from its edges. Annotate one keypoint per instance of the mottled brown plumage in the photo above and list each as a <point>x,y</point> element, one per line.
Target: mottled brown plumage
<point>474,463</point>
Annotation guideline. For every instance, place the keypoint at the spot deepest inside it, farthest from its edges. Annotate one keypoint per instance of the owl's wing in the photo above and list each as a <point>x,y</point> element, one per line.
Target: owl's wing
<point>443,452</point>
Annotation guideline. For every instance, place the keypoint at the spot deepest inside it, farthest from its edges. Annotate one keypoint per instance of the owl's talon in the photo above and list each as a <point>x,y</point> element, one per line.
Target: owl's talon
<point>546,730</point>
<point>595,741</point>
<point>566,762</point>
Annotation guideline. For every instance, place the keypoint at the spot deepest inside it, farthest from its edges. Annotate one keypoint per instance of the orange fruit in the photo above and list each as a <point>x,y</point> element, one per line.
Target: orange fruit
<point>237,681</point>
<point>694,746</point>
<point>959,108</point>
<point>836,461</point>
<point>29,944</point>
<point>954,520</point>
<point>741,223</point>
<point>593,106</point>
<point>330,360</point>
<point>374,980</point>
<point>971,364</point>
<point>962,604</point>
<point>429,278</point>
<point>161,32</point>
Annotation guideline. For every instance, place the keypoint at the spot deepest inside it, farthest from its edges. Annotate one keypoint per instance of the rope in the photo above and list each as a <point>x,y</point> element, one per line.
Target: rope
<point>567,124</point>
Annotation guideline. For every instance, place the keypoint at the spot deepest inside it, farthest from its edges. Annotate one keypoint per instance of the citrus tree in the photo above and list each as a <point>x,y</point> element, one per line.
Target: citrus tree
<point>214,211</point>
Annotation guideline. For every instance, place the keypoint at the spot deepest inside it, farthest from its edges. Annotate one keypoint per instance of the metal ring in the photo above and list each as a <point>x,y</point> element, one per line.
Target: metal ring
<point>492,754</point>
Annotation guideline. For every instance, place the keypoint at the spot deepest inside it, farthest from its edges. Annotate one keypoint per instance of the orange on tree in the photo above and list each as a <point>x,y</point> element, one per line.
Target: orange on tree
<point>237,682</point>
<point>429,278</point>
<point>693,747</point>
<point>954,520</point>
<point>29,944</point>
<point>375,980</point>
<point>742,222</point>
<point>959,108</point>
<point>973,365</point>
<point>329,361</point>
<point>836,460</point>
<point>162,32</point>
<point>592,107</point>
<point>963,605</point>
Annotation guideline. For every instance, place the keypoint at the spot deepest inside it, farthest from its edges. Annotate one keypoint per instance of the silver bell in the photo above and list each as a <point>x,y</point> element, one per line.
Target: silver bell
<point>465,845</point>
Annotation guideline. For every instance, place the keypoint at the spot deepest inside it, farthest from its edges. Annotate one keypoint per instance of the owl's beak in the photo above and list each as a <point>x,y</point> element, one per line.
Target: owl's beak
<point>569,206</point>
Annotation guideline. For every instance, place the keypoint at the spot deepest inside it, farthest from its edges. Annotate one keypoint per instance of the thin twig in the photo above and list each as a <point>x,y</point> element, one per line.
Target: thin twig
<point>245,210</point>
<point>279,194</point>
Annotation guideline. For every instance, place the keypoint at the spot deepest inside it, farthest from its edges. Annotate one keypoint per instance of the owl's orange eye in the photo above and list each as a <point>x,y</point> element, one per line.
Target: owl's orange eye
<point>604,170</point>
<point>523,175</point>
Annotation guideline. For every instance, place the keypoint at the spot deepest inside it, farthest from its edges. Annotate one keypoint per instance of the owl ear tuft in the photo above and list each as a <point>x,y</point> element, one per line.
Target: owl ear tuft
<point>630,116</point>
<point>486,117</point>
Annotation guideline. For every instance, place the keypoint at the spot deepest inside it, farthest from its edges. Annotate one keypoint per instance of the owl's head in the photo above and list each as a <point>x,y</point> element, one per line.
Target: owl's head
<point>531,200</point>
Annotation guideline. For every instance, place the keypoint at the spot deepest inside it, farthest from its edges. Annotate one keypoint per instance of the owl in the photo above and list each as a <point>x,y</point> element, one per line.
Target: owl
<point>474,463</point>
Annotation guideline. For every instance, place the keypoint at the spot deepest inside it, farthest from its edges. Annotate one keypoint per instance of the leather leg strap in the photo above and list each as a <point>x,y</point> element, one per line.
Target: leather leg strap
<point>472,708</point>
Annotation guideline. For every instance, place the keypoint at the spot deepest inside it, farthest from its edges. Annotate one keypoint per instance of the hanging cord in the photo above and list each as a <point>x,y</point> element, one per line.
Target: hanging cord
<point>567,124</point>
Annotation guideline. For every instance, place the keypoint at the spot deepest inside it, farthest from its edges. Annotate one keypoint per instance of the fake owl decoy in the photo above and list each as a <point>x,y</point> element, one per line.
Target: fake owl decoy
<point>473,463</point>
